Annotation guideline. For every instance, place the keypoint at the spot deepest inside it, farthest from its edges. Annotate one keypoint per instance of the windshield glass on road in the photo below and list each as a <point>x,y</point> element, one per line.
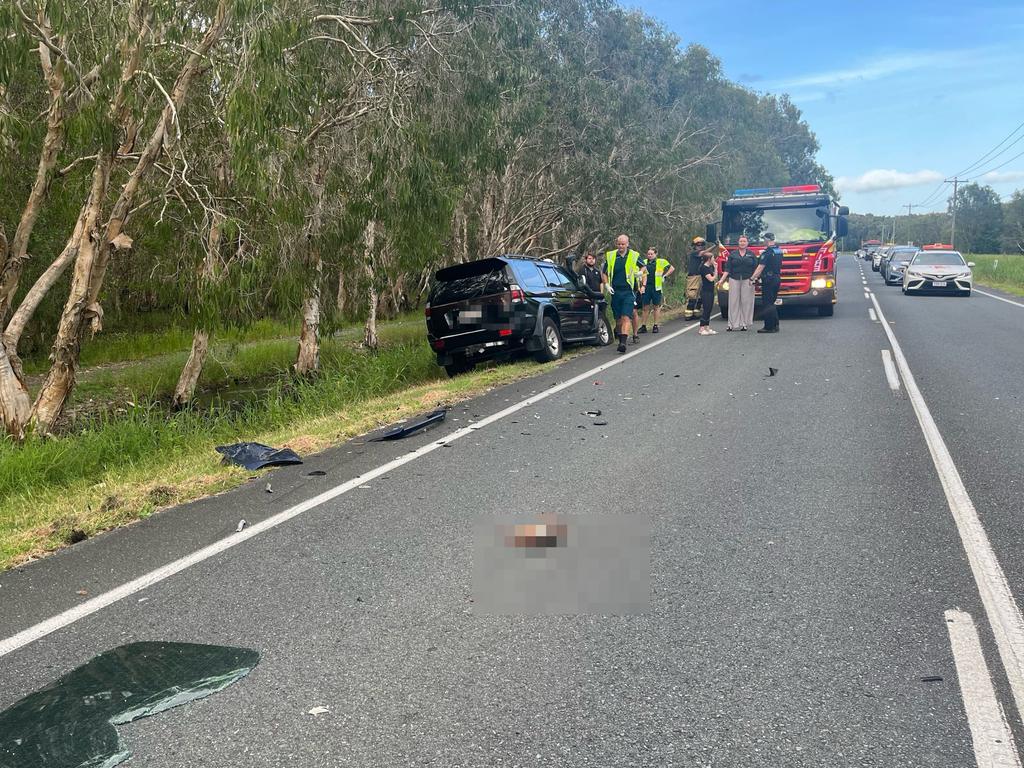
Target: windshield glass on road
<point>939,258</point>
<point>789,225</point>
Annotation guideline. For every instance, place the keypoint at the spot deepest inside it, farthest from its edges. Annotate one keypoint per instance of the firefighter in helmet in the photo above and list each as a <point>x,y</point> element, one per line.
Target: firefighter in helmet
<point>698,250</point>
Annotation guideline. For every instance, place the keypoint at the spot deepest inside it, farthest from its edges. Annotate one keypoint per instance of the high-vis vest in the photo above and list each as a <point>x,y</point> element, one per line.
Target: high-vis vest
<point>632,257</point>
<point>660,265</point>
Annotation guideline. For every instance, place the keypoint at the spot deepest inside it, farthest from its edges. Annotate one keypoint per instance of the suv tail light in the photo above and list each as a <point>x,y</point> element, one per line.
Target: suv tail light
<point>426,311</point>
<point>517,293</point>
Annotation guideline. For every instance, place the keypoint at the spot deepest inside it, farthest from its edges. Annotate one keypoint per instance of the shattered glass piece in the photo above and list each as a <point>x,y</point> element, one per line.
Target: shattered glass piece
<point>70,722</point>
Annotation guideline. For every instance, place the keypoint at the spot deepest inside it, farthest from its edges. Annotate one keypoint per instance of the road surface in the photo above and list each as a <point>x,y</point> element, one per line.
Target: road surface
<point>833,566</point>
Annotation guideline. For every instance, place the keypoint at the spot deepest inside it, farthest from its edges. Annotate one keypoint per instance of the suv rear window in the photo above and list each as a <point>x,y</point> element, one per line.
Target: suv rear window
<point>468,281</point>
<point>529,277</point>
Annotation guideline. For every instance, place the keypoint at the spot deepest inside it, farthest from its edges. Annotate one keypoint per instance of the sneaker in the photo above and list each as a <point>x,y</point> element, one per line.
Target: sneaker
<point>636,339</point>
<point>643,329</point>
<point>712,331</point>
<point>654,330</point>
<point>622,347</point>
<point>702,331</point>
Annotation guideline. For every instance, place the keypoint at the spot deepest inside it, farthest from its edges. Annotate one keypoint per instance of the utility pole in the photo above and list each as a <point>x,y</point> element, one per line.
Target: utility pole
<point>910,210</point>
<point>952,233</point>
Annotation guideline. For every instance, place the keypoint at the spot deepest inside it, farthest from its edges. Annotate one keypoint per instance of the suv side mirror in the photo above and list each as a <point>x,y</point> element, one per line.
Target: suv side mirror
<point>711,233</point>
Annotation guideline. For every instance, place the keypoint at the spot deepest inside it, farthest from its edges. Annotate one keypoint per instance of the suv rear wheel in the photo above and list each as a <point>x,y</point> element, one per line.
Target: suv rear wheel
<point>458,366</point>
<point>551,342</point>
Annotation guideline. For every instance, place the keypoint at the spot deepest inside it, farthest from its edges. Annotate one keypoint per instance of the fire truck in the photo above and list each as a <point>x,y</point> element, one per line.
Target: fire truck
<point>805,221</point>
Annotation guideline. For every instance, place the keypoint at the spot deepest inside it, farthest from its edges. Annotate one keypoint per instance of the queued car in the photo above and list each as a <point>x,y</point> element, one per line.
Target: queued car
<point>891,267</point>
<point>497,307</point>
<point>934,271</point>
<point>877,256</point>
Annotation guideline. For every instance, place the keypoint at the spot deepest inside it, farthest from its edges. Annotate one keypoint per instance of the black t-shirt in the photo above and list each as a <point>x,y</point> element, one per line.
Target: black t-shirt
<point>693,263</point>
<point>741,267</point>
<point>592,277</point>
<point>771,257</point>
<point>704,270</point>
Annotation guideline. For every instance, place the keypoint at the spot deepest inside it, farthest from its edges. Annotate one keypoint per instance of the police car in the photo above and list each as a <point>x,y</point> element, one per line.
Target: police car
<point>935,271</point>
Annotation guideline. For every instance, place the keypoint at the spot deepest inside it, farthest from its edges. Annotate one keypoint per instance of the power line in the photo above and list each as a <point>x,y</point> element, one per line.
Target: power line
<point>992,170</point>
<point>988,155</point>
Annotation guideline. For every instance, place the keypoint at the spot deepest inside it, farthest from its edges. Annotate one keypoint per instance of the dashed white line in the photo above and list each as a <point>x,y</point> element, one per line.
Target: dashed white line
<point>91,606</point>
<point>872,315</point>
<point>1000,298</point>
<point>990,733</point>
<point>1001,608</point>
<point>890,371</point>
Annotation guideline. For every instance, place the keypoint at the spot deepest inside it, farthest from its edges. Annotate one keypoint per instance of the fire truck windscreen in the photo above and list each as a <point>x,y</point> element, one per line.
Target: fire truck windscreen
<point>806,224</point>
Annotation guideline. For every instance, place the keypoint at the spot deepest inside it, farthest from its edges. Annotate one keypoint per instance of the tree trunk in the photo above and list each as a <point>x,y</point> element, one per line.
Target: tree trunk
<point>11,268</point>
<point>370,339</point>
<point>15,404</point>
<point>186,389</point>
<point>95,247</point>
<point>307,362</point>
<point>341,292</point>
<point>60,379</point>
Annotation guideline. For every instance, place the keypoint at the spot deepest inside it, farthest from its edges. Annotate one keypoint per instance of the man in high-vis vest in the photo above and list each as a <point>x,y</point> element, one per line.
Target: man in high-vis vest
<point>622,274</point>
<point>657,270</point>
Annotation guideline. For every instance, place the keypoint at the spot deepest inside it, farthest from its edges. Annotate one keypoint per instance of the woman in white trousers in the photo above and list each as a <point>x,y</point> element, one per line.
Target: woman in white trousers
<point>739,268</point>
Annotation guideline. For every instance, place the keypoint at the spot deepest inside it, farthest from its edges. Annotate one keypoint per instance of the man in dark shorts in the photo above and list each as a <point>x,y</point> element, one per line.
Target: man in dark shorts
<point>770,271</point>
<point>622,273</point>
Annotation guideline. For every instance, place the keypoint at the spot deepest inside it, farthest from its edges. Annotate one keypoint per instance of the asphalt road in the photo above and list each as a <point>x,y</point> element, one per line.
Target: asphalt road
<point>802,557</point>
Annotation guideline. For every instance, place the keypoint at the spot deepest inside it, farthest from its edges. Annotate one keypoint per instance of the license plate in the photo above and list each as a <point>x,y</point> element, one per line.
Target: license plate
<point>939,283</point>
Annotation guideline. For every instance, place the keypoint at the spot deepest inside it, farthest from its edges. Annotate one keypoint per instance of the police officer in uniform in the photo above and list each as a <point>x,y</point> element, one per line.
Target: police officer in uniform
<point>770,272</point>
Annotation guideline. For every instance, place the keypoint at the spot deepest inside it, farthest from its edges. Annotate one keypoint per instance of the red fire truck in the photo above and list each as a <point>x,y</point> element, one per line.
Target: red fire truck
<point>805,221</point>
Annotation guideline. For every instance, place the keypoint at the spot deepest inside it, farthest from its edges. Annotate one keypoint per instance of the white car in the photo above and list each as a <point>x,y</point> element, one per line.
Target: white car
<point>938,272</point>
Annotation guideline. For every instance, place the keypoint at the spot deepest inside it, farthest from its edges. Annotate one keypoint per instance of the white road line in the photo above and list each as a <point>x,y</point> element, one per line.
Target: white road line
<point>1000,298</point>
<point>890,371</point>
<point>872,315</point>
<point>101,601</point>
<point>1001,609</point>
<point>990,733</point>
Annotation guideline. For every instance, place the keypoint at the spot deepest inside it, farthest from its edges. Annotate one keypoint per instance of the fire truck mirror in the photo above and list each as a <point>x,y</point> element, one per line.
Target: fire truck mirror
<point>844,210</point>
<point>842,227</point>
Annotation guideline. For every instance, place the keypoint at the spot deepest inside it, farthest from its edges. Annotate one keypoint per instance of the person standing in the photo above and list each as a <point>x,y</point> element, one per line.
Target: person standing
<point>622,273</point>
<point>694,281</point>
<point>739,269</point>
<point>657,270</point>
<point>708,274</point>
<point>590,273</point>
<point>770,272</point>
<point>638,297</point>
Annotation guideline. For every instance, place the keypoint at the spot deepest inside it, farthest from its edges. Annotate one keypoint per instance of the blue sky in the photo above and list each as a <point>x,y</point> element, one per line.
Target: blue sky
<point>899,94</point>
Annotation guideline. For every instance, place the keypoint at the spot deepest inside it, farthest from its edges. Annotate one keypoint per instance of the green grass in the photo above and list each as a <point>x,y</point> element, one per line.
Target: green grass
<point>1004,271</point>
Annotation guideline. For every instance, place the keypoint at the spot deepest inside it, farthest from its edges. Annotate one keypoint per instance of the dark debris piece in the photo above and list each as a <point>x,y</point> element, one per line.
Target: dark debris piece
<point>256,455</point>
<point>600,423</point>
<point>409,429</point>
<point>772,371</point>
<point>316,473</point>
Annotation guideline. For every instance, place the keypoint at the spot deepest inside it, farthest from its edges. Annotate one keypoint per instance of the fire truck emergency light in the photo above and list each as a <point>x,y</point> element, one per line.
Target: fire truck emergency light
<point>777,190</point>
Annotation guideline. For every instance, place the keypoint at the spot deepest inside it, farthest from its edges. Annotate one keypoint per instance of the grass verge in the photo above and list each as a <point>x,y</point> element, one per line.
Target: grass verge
<point>1002,271</point>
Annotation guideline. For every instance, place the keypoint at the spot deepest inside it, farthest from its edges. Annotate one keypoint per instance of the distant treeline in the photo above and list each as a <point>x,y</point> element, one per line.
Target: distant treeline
<point>983,224</point>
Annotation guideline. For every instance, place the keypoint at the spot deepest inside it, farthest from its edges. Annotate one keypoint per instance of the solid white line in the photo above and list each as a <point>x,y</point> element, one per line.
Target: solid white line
<point>1000,298</point>
<point>990,733</point>
<point>1000,607</point>
<point>872,315</point>
<point>101,601</point>
<point>890,371</point>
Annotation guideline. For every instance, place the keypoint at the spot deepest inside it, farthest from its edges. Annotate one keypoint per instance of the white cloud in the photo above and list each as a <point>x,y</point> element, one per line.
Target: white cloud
<point>882,178</point>
<point>875,69</point>
<point>1001,177</point>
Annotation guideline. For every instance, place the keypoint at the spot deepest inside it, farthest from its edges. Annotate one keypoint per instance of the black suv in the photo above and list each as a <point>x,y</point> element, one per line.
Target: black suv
<point>493,308</point>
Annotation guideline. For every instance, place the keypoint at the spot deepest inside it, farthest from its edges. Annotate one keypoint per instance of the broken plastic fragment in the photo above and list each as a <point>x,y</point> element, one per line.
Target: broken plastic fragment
<point>318,711</point>
<point>436,417</point>
<point>256,455</point>
<point>71,721</point>
<point>241,525</point>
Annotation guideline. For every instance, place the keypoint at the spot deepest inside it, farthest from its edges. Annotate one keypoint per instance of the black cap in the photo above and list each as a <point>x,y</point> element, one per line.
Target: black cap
<point>769,235</point>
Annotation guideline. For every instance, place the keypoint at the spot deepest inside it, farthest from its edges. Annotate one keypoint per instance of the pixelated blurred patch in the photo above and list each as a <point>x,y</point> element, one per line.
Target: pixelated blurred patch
<point>561,564</point>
